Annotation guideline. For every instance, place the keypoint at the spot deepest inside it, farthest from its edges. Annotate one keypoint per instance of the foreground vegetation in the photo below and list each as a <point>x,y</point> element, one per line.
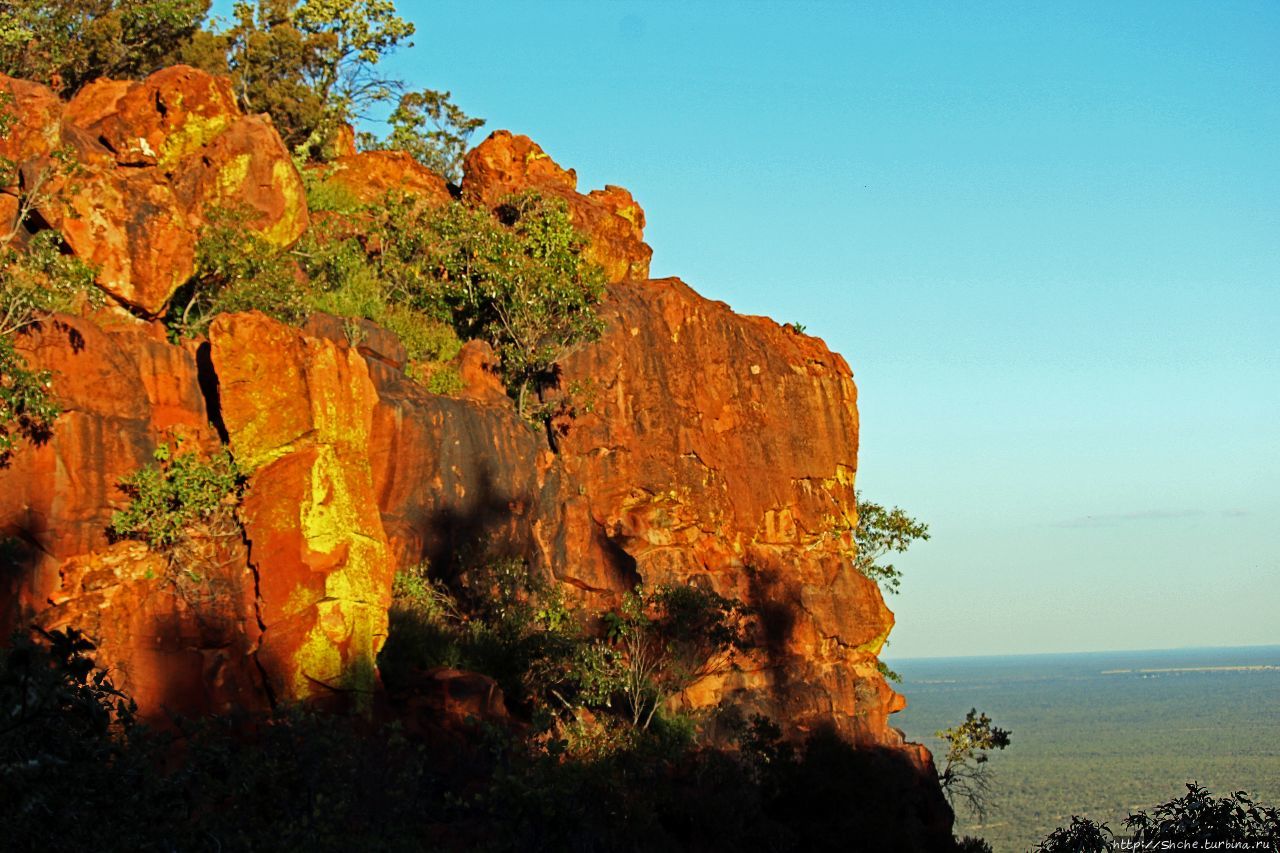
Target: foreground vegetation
<point>78,771</point>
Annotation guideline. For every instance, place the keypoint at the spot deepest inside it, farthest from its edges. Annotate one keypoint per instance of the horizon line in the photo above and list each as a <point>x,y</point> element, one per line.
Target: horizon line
<point>1275,645</point>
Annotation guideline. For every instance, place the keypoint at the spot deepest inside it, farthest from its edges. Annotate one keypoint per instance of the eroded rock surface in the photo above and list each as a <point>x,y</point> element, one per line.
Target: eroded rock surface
<point>128,172</point>
<point>722,450</point>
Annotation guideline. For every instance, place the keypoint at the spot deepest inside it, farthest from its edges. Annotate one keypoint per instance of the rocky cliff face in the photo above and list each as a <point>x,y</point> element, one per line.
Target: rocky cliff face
<point>720,449</point>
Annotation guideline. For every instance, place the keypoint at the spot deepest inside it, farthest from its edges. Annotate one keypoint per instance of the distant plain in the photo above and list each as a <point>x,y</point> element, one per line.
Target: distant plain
<point>1102,734</point>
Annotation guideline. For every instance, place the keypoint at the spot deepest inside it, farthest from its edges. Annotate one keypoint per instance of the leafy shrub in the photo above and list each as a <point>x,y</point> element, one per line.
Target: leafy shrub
<point>502,622</point>
<point>33,284</point>
<point>296,779</point>
<point>1082,836</point>
<point>183,507</point>
<point>237,270</point>
<point>522,286</point>
<point>668,639</point>
<point>888,674</point>
<point>27,408</point>
<point>325,195</point>
<point>58,715</point>
<point>178,491</point>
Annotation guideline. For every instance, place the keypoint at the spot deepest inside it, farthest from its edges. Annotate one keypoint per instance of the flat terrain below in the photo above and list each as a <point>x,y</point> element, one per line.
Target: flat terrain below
<point>1101,734</point>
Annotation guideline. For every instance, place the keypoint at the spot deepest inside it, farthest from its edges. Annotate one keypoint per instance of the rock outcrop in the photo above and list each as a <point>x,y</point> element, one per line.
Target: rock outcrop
<point>718,450</point>
<point>153,161</point>
<point>504,164</point>
<point>299,413</point>
<point>722,449</point>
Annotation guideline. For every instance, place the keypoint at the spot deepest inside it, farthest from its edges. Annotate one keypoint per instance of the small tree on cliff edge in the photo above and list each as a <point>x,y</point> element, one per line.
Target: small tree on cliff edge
<point>965,775</point>
<point>880,532</point>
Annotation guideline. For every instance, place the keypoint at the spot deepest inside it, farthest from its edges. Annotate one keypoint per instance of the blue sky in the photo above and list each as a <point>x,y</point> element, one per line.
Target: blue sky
<point>1045,236</point>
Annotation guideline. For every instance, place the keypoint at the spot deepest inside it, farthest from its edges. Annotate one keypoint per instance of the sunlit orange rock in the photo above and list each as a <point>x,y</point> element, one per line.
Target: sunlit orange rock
<point>246,171</point>
<point>722,449</point>
<point>128,225</point>
<point>369,175</point>
<point>159,121</point>
<point>36,117</point>
<point>141,167</point>
<point>479,367</point>
<point>298,411</point>
<point>505,163</point>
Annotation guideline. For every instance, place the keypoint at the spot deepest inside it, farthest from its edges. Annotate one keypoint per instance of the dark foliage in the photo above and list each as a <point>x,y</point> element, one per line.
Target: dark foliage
<point>1191,820</point>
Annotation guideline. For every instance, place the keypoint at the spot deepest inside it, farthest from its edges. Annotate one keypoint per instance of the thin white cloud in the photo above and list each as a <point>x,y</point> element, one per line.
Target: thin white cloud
<point>1113,519</point>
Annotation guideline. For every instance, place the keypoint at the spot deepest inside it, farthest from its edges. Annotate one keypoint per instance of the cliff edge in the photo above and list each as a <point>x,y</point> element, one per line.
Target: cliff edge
<point>717,449</point>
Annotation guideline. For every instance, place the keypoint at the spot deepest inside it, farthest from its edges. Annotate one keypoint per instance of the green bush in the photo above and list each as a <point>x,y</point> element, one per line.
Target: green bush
<point>299,780</point>
<point>1184,822</point>
<point>177,492</point>
<point>518,281</point>
<point>27,407</point>
<point>669,638</point>
<point>237,270</point>
<point>502,622</point>
<point>34,283</point>
<point>432,129</point>
<point>437,276</point>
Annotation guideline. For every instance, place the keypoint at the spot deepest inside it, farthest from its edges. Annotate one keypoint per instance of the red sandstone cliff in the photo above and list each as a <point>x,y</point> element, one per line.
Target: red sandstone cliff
<point>721,448</point>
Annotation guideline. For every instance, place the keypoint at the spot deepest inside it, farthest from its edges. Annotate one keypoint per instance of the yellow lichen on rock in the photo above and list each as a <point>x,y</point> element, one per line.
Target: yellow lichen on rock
<point>299,413</point>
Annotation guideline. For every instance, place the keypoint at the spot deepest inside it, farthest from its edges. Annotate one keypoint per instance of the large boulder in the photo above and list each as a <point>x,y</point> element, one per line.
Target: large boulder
<point>369,175</point>
<point>159,121</point>
<point>505,163</point>
<point>246,171</point>
<point>129,172</point>
<point>129,227</point>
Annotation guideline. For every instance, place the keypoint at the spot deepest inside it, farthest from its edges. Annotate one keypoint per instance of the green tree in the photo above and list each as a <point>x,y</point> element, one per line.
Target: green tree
<point>431,128</point>
<point>268,58</point>
<point>880,532</point>
<point>525,287</point>
<point>68,43</point>
<point>670,638</point>
<point>1183,822</point>
<point>965,774</point>
<point>314,64</point>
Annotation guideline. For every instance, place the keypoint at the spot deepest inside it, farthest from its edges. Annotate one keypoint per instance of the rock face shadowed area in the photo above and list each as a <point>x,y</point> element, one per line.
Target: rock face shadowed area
<point>719,449</point>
